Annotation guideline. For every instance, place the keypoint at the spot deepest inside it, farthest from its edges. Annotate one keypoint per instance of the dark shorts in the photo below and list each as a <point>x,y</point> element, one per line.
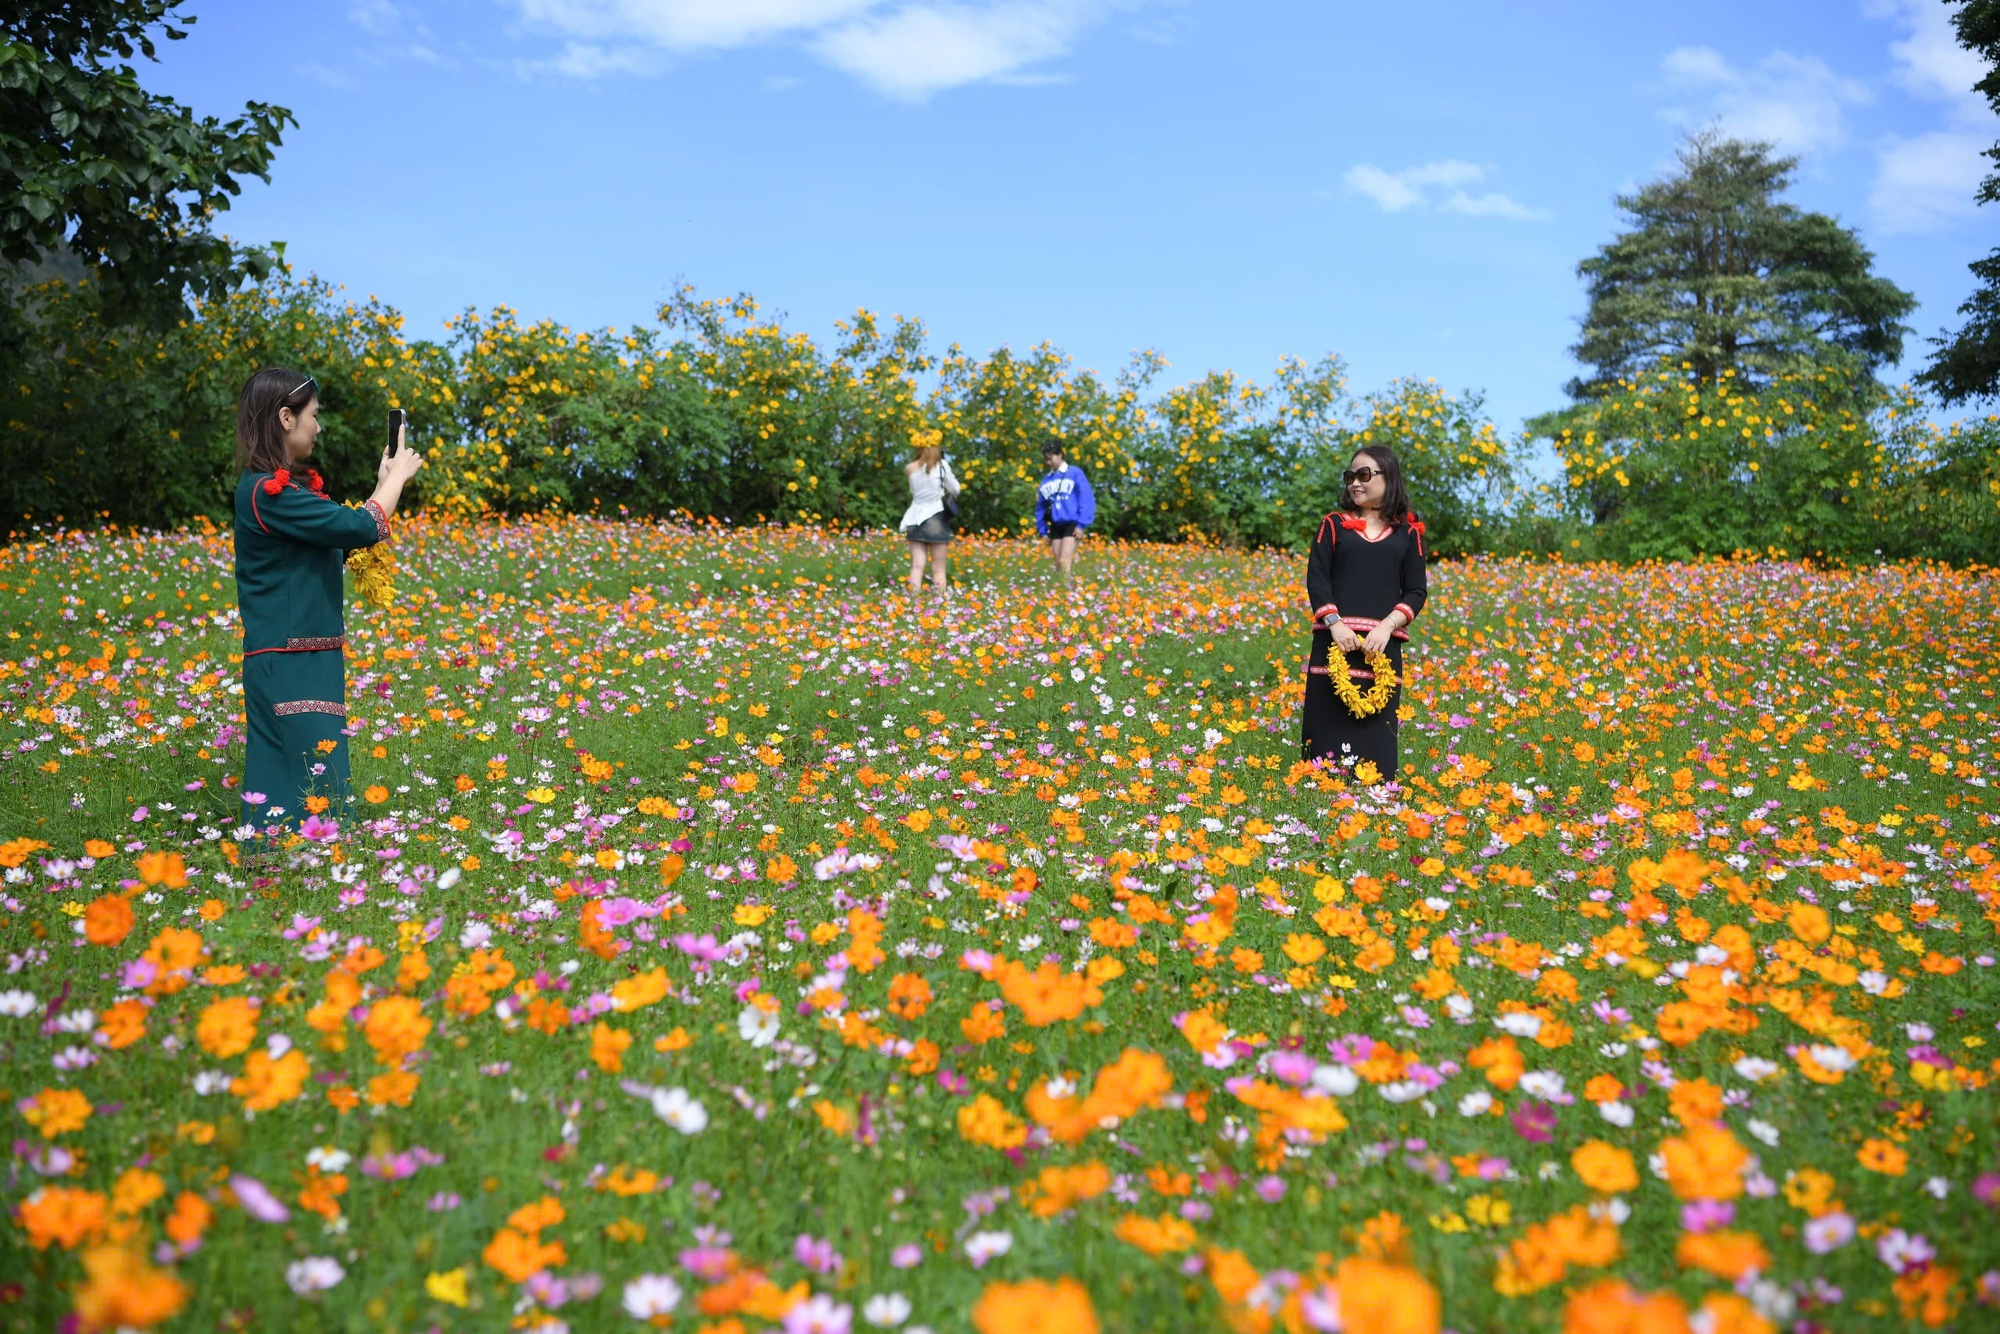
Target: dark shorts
<point>1061,530</point>
<point>934,531</point>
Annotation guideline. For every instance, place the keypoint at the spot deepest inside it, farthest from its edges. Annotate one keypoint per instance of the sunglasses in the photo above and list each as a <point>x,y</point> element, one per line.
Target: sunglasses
<point>308,383</point>
<point>1361,475</point>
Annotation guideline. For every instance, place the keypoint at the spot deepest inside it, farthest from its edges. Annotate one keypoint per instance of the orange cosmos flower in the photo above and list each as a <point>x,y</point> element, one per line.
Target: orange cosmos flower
<point>1035,1307</point>
<point>607,1047</point>
<point>396,1028</point>
<point>63,1216</point>
<point>56,1111</point>
<point>1048,995</point>
<point>1880,1155</point>
<point>163,868</point>
<point>1605,1167</point>
<point>1609,1306</point>
<point>189,1219</point>
<point>123,1024</point>
<point>1727,1255</point>
<point>122,1290</point>
<point>227,1027</point>
<point>1163,1235</point>
<point>1705,1162</point>
<point>1385,1298</point>
<point>108,919</point>
<point>520,1256</point>
<point>135,1189</point>
<point>267,1083</point>
<point>985,1121</point>
<point>392,1088</point>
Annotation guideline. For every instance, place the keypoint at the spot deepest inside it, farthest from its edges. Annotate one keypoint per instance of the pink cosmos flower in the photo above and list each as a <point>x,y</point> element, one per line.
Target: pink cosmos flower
<point>257,1200</point>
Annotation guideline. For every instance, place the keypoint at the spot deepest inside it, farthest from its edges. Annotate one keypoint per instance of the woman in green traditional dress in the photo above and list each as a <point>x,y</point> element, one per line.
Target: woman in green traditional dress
<point>291,540</point>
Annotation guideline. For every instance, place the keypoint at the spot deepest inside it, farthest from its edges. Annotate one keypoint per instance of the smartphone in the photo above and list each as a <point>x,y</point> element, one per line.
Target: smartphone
<point>398,421</point>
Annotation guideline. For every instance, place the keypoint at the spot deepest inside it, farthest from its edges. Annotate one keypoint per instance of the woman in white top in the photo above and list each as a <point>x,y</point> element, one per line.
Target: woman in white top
<point>925,523</point>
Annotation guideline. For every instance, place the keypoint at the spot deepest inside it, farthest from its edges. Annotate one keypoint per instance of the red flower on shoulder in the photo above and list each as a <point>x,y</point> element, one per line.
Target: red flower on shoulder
<point>277,481</point>
<point>313,481</point>
<point>1354,522</point>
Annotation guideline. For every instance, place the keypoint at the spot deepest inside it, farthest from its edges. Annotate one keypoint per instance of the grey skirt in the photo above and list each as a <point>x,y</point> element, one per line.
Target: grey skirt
<point>934,531</point>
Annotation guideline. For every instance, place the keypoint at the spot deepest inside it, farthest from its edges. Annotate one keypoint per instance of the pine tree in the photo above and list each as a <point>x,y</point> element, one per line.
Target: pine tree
<point>1719,273</point>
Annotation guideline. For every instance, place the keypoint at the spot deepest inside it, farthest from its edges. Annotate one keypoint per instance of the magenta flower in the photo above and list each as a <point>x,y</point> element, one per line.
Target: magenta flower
<point>1707,1215</point>
<point>1534,1121</point>
<point>817,1255</point>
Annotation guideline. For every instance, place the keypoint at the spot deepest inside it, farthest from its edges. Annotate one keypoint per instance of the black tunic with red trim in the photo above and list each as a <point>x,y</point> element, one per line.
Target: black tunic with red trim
<point>291,542</point>
<point>1359,582</point>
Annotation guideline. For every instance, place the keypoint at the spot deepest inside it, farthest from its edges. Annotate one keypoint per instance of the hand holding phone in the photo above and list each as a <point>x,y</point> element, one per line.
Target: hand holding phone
<point>399,422</point>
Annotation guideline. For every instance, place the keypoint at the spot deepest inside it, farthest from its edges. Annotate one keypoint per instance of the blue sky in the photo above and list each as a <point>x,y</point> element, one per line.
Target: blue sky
<point>1409,185</point>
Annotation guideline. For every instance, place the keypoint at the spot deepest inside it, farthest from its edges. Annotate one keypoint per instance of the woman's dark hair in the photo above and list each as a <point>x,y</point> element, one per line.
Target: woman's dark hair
<point>1395,500</point>
<point>260,436</point>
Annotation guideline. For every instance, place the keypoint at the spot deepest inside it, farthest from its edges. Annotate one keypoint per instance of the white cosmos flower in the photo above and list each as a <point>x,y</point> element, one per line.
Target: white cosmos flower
<point>1518,1025</point>
<point>983,1246</point>
<point>1830,1057</point>
<point>1617,1113</point>
<point>679,1110</point>
<point>329,1160</point>
<point>651,1295</point>
<point>1337,1079</point>
<point>449,878</point>
<point>1544,1084</point>
<point>1401,1090</point>
<point>1764,1131</point>
<point>887,1309</point>
<point>1475,1104</point>
<point>1459,1004</point>
<point>315,1273</point>
<point>757,1027</point>
<point>17,1004</point>
<point>1754,1068</point>
<point>1874,982</point>
<point>674,1106</point>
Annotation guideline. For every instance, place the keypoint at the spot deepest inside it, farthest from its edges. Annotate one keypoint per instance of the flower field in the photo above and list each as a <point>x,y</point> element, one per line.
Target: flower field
<point>715,945</point>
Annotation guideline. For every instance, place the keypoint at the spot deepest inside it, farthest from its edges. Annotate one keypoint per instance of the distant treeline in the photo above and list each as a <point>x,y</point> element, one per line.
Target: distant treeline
<point>718,411</point>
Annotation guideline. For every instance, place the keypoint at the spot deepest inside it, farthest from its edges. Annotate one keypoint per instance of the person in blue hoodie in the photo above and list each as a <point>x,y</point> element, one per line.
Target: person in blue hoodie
<point>1064,506</point>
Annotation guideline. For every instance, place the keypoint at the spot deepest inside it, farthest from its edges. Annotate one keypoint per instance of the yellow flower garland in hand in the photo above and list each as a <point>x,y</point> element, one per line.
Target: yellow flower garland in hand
<point>1377,697</point>
<point>374,572</point>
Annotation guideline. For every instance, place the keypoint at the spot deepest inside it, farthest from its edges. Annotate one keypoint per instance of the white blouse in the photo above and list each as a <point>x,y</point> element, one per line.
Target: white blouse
<point>927,493</point>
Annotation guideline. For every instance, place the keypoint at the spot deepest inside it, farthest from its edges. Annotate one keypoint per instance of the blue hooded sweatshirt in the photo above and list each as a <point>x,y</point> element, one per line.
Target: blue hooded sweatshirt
<point>1064,497</point>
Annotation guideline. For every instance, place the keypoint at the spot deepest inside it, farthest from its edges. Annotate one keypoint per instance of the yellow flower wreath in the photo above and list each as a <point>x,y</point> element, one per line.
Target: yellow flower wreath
<point>1377,696</point>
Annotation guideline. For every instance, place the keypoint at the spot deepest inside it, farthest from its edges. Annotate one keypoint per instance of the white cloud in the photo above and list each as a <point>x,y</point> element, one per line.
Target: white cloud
<point>687,25</point>
<point>921,49</point>
<point>1928,181</point>
<point>1929,60</point>
<point>1435,185</point>
<point>906,49</point>
<point>1795,102</point>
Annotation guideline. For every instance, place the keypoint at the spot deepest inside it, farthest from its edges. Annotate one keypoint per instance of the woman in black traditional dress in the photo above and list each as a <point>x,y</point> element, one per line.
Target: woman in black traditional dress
<point>1365,580</point>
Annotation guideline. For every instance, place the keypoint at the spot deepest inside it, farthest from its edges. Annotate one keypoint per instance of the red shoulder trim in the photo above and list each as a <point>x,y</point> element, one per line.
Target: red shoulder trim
<point>255,487</point>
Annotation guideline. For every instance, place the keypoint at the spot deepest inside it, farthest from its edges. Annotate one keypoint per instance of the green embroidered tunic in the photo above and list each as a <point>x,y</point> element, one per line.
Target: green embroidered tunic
<point>291,542</point>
